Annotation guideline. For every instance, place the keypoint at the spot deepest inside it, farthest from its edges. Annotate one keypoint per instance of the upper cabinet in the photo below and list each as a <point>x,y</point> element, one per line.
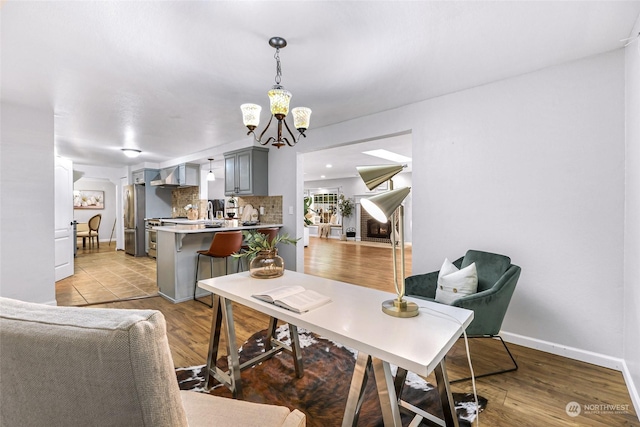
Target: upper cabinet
<point>246,172</point>
<point>138,177</point>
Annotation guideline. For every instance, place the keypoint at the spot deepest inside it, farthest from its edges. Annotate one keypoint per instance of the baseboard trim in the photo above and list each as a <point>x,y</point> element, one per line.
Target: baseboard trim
<point>565,351</point>
<point>598,359</point>
<point>631,386</point>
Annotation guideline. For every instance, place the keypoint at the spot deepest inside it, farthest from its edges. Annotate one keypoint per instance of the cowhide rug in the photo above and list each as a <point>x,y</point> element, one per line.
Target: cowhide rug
<point>322,392</point>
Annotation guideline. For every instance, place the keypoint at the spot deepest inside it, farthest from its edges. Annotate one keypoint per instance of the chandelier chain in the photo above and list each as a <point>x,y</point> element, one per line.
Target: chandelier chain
<point>278,67</point>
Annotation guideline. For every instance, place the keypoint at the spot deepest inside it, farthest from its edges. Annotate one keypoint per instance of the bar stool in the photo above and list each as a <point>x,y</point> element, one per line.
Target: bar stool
<point>269,233</point>
<point>224,244</point>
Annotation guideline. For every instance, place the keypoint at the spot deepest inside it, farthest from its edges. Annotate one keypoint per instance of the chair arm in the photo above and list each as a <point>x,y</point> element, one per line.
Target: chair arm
<point>422,285</point>
<point>490,306</point>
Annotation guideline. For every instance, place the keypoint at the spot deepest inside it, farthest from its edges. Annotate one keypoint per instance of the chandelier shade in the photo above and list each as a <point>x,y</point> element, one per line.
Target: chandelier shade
<point>279,99</point>
<point>251,115</point>
<point>301,117</point>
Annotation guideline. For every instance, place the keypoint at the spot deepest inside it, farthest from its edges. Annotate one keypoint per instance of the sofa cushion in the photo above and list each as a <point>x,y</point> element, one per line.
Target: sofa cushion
<point>454,283</point>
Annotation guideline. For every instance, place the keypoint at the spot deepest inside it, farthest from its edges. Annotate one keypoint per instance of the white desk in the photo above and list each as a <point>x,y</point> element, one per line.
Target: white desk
<point>353,318</point>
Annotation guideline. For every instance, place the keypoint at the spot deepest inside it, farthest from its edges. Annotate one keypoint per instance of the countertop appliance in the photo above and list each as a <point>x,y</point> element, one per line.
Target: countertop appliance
<point>134,226</point>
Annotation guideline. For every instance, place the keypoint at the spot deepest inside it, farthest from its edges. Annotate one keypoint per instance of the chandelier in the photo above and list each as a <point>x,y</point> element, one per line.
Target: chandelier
<point>279,98</point>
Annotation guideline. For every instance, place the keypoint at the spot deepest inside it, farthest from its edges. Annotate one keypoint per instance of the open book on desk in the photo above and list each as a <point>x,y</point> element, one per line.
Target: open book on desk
<point>294,298</point>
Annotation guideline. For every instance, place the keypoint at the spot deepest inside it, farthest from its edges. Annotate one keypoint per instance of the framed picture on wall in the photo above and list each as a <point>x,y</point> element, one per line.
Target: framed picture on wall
<point>88,199</point>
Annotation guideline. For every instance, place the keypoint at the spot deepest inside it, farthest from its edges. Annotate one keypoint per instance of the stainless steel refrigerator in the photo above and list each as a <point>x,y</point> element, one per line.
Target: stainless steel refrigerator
<point>134,220</point>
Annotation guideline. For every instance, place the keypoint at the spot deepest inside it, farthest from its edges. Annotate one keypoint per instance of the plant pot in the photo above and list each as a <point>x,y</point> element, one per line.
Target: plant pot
<point>267,265</point>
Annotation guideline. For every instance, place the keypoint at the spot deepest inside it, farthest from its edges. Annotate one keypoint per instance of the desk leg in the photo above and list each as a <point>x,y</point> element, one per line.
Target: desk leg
<point>222,310</point>
<point>295,350</point>
<point>295,344</point>
<point>356,390</point>
<point>386,393</point>
<point>448,407</point>
<point>232,349</point>
<point>214,339</point>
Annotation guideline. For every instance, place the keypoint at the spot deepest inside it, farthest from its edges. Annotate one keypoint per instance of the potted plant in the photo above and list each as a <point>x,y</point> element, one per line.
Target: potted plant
<point>345,207</point>
<point>263,254</point>
<point>308,214</point>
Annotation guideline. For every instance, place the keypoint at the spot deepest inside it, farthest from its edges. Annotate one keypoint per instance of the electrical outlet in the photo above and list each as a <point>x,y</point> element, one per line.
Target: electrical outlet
<point>290,210</point>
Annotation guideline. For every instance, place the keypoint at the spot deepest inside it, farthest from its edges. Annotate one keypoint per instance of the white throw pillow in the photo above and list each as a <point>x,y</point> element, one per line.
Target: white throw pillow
<point>454,283</point>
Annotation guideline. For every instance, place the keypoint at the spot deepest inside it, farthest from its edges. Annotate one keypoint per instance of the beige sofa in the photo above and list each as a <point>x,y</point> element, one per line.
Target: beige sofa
<point>105,367</point>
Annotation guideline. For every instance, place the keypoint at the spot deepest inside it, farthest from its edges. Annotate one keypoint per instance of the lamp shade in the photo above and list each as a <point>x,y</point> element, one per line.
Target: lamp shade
<point>251,114</point>
<point>301,117</point>
<point>211,176</point>
<point>376,175</point>
<point>382,206</point>
<point>279,98</point>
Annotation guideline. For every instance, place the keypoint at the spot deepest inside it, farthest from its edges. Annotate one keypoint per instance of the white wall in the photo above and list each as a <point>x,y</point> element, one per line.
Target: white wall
<point>531,167</point>
<point>632,218</point>
<point>107,179</point>
<point>26,204</point>
<point>108,213</point>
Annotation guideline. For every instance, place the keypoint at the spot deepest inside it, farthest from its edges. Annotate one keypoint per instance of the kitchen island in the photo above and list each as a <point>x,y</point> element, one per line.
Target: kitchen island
<point>177,247</point>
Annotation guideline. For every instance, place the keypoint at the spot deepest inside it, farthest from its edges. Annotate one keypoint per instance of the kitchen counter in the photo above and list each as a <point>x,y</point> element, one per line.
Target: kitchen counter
<point>177,247</point>
<point>200,226</point>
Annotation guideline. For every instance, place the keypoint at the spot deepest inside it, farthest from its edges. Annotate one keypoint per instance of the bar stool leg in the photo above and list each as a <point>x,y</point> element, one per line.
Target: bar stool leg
<point>195,285</point>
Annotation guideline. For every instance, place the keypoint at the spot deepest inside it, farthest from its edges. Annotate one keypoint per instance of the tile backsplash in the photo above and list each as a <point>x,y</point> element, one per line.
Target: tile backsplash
<point>181,197</point>
<point>272,207</point>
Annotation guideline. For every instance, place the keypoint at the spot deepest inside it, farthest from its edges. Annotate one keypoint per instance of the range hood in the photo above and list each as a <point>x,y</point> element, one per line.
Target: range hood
<point>183,175</point>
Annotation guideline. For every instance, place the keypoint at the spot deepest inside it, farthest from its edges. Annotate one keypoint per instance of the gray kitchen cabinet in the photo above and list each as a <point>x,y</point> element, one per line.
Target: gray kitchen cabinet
<point>138,177</point>
<point>246,172</point>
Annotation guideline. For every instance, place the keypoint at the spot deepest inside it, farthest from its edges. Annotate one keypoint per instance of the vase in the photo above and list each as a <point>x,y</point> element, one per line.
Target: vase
<point>267,265</point>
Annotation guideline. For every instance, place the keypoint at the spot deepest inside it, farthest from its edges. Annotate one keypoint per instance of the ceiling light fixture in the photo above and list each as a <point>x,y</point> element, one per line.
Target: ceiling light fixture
<point>210,175</point>
<point>131,152</point>
<point>388,155</point>
<point>279,100</point>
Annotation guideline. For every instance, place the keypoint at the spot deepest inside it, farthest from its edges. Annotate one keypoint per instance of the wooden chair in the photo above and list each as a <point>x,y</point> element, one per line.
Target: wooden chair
<point>90,230</point>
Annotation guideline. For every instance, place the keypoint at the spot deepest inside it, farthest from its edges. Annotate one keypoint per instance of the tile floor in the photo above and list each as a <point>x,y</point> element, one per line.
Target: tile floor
<point>104,275</point>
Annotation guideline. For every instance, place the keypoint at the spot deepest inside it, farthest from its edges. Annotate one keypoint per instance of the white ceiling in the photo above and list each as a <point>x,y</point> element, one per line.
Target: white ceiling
<point>168,77</point>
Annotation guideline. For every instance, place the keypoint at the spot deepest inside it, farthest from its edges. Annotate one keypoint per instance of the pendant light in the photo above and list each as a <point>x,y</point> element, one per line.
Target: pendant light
<point>210,175</point>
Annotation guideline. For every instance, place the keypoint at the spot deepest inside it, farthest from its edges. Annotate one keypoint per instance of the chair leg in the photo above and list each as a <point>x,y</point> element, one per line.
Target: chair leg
<point>503,371</point>
<point>195,285</point>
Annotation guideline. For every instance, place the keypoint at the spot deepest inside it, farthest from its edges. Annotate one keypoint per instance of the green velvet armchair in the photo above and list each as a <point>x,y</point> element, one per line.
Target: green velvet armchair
<point>497,279</point>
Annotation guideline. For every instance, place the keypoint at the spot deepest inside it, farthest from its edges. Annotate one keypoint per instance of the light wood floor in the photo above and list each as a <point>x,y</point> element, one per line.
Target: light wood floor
<point>535,395</point>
